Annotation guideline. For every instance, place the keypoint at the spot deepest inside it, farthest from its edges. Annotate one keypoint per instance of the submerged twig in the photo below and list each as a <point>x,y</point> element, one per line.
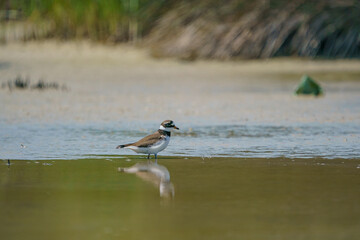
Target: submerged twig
<point>24,83</point>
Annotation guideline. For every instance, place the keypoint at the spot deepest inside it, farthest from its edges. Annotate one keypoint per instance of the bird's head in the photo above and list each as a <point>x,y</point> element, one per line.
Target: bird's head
<point>168,125</point>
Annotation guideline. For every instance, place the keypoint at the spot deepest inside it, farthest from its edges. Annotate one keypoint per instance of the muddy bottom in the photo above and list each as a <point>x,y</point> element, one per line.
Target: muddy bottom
<point>181,198</point>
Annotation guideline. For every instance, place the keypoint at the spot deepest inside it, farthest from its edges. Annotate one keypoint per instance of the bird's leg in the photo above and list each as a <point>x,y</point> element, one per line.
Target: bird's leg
<point>155,158</point>
<point>148,156</point>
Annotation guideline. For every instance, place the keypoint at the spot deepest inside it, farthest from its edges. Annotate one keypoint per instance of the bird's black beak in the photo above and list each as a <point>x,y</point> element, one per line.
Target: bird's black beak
<point>176,127</point>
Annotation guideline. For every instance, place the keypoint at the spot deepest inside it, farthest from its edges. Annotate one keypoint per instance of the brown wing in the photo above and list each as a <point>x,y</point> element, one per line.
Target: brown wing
<point>148,140</point>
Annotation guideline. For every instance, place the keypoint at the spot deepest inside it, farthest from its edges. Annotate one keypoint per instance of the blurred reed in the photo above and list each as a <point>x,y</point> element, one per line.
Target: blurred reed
<point>189,29</point>
<point>109,20</point>
<point>259,29</point>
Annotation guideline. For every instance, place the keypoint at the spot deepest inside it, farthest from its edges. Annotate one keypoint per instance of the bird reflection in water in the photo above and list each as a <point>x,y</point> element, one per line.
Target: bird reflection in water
<point>154,173</point>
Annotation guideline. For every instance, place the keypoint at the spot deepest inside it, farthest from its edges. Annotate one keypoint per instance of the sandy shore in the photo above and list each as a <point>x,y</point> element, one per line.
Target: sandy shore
<point>122,83</point>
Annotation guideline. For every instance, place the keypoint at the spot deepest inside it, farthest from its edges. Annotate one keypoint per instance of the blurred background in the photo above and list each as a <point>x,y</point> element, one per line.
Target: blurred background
<point>194,29</point>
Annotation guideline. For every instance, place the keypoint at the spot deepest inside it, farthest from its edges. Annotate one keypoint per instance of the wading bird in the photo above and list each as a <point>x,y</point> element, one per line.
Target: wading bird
<point>154,143</point>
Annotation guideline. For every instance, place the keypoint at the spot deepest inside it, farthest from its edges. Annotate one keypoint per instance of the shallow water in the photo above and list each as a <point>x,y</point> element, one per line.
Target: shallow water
<point>251,160</point>
<point>118,95</point>
<point>63,141</point>
<point>225,198</point>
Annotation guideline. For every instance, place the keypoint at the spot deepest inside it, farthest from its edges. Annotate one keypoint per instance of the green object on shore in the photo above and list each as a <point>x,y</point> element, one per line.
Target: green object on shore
<point>308,86</point>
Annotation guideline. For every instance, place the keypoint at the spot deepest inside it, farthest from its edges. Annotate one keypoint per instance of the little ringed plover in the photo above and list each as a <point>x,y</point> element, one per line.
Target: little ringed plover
<point>154,143</point>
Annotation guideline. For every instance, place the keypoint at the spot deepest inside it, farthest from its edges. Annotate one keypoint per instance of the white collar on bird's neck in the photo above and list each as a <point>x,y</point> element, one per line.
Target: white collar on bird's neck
<point>164,128</point>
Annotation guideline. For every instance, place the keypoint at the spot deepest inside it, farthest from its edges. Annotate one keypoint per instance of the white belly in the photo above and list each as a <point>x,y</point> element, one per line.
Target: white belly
<point>154,149</point>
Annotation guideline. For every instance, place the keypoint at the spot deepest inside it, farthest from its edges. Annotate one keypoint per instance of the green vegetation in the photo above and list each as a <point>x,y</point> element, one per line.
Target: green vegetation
<point>111,20</point>
<point>201,29</point>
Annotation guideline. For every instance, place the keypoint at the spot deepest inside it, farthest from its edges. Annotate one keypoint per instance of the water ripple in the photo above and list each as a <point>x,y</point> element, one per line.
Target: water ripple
<point>335,140</point>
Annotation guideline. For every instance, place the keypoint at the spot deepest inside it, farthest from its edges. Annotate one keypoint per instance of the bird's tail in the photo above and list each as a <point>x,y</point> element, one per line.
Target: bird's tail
<point>124,145</point>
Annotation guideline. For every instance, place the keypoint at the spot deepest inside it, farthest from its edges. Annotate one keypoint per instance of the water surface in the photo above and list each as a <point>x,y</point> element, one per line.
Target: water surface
<point>218,198</point>
<point>118,94</point>
<point>297,140</point>
<point>251,160</point>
